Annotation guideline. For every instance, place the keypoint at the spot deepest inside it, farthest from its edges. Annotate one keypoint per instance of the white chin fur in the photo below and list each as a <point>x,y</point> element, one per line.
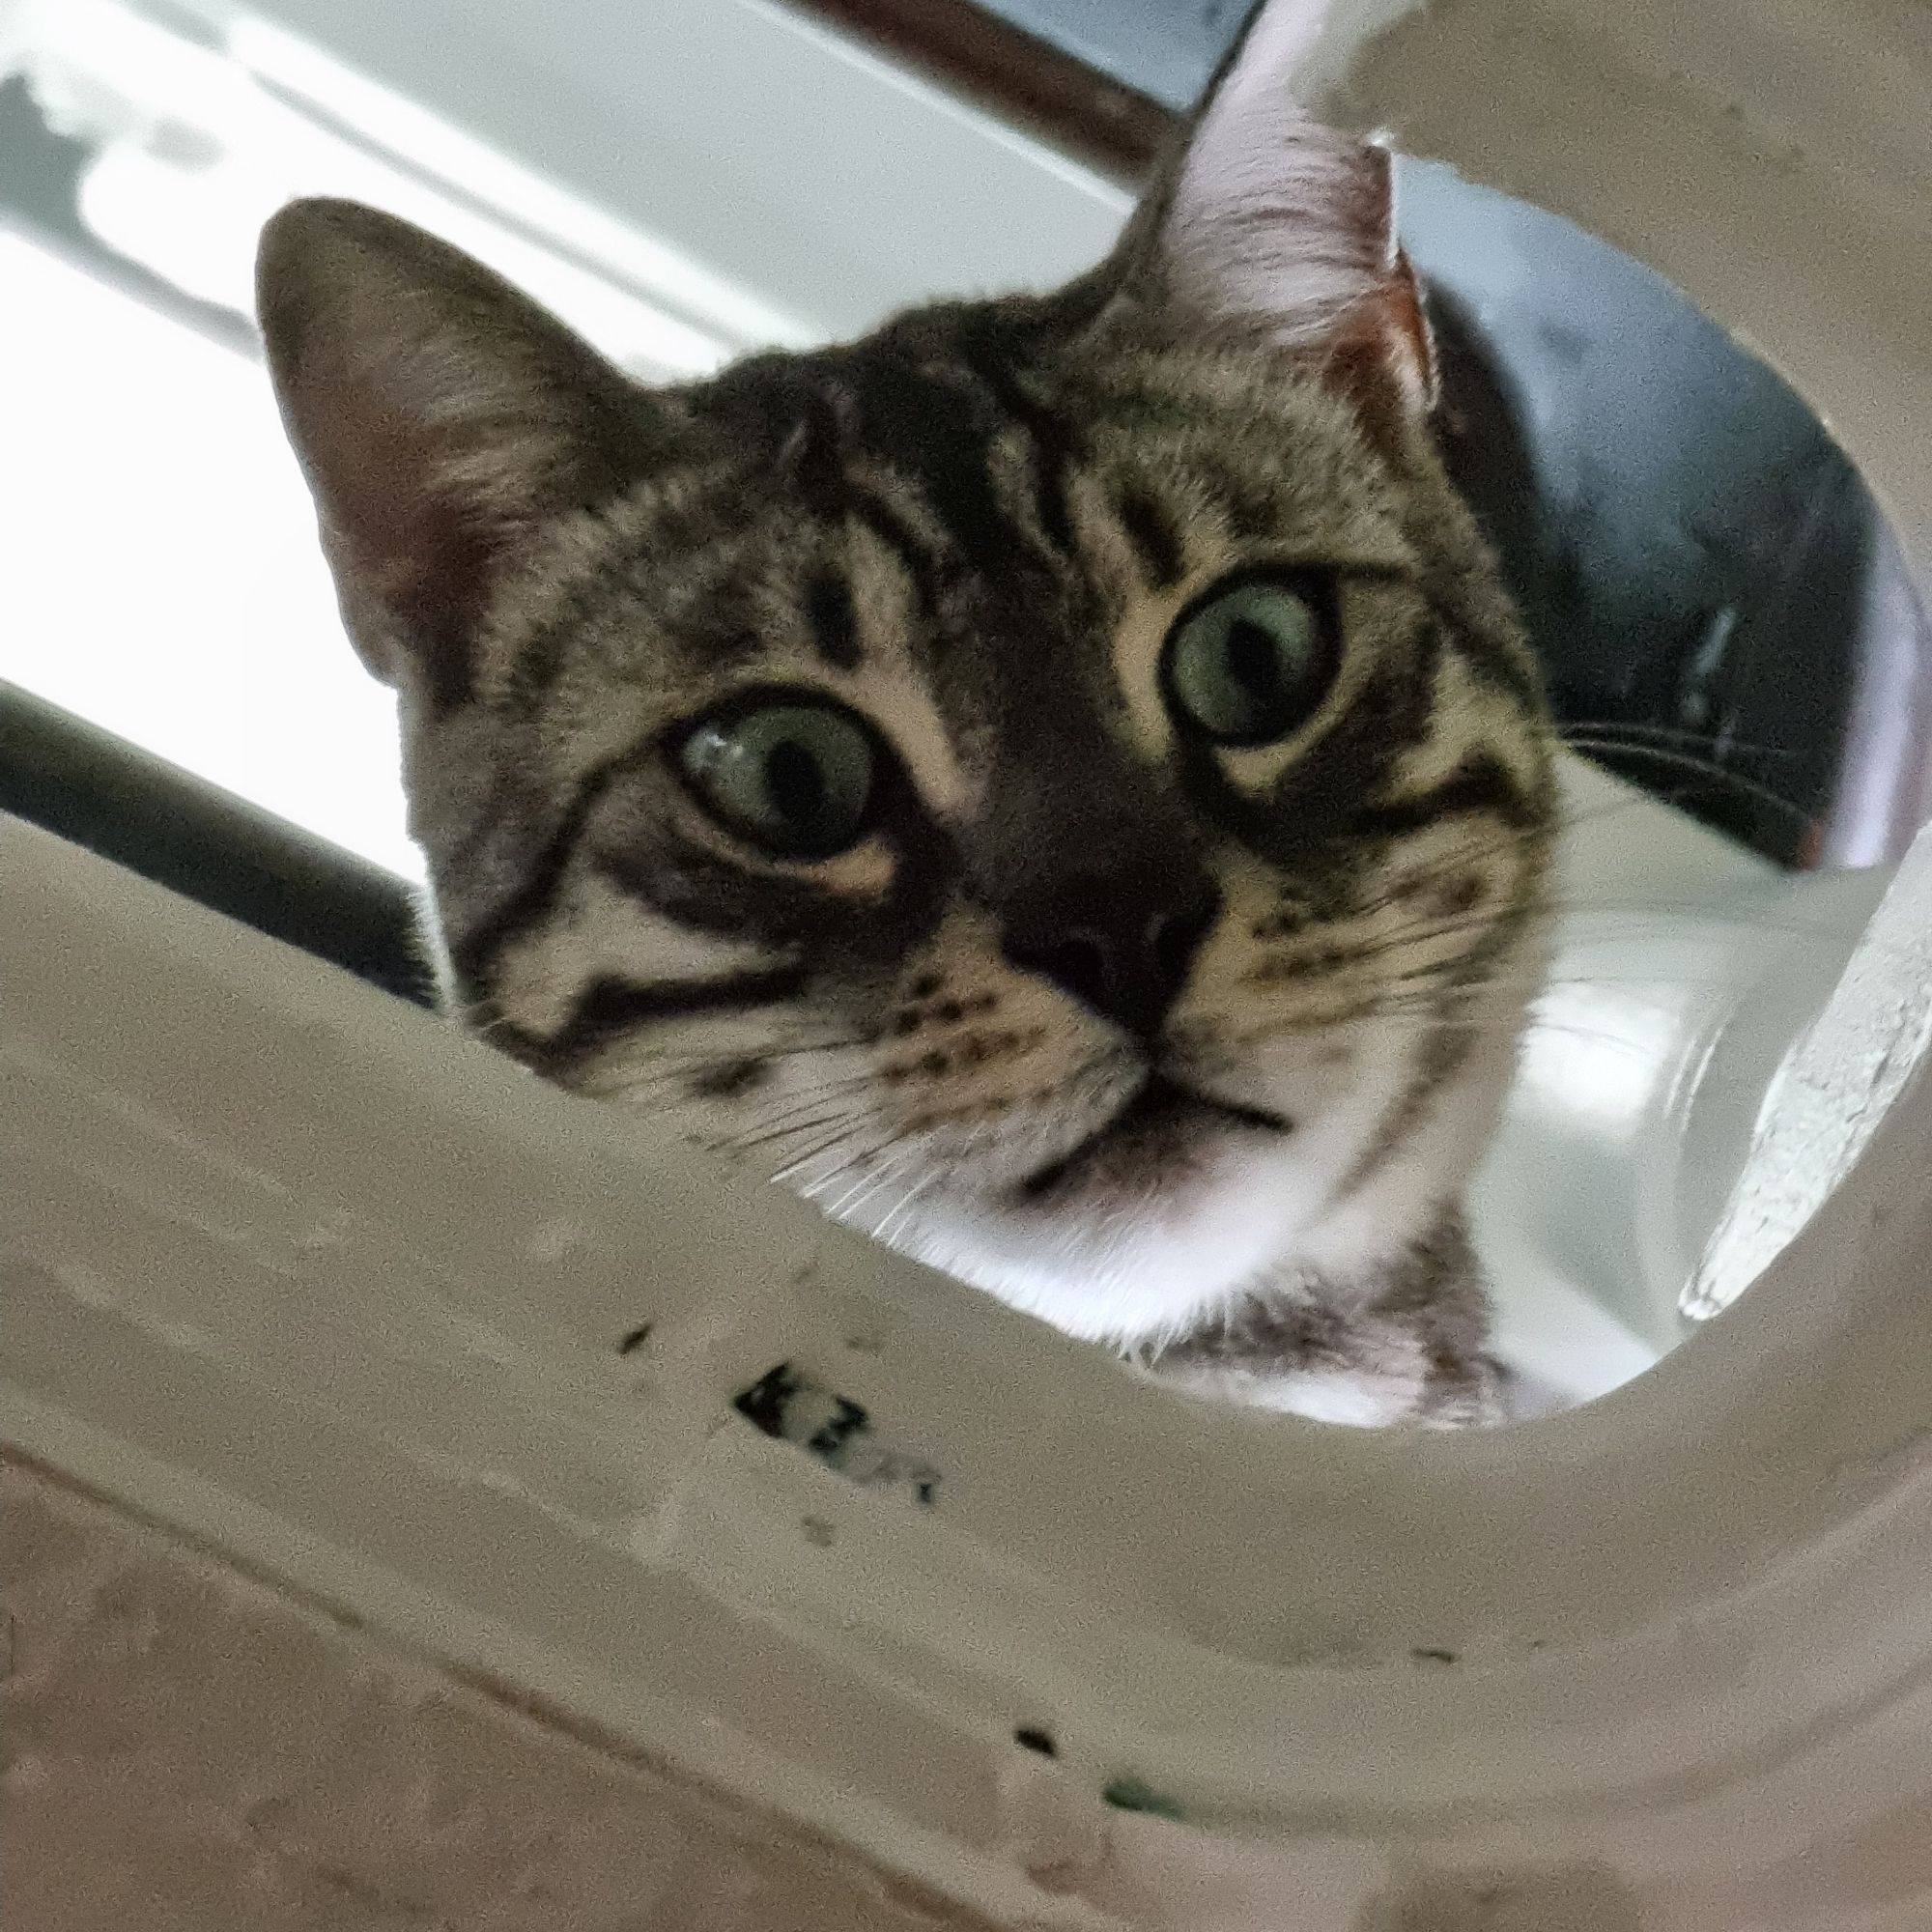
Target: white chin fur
<point>1131,1273</point>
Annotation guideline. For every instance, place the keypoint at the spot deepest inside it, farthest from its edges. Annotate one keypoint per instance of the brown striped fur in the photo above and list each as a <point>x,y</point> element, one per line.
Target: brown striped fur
<point>1189,1046</point>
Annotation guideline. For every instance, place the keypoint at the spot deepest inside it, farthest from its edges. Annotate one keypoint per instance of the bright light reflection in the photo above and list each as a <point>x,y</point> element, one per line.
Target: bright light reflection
<point>164,581</point>
<point>162,575</point>
<point>669,279</point>
<point>1601,1050</point>
<point>194,152</point>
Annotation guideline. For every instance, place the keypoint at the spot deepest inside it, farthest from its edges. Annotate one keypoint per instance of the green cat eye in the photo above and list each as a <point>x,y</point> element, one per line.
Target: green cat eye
<point>1246,664</point>
<point>794,777</point>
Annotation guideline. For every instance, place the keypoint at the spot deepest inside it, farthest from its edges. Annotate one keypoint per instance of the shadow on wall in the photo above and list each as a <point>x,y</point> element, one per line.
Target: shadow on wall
<point>1725,616</point>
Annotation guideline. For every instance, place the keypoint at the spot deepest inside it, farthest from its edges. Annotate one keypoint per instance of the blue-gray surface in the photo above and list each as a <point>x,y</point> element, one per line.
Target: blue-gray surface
<point>1707,578</point>
<point>1166,49</point>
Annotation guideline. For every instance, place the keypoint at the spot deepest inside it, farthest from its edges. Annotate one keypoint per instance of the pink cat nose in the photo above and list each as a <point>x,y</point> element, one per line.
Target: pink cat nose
<point>1121,944</point>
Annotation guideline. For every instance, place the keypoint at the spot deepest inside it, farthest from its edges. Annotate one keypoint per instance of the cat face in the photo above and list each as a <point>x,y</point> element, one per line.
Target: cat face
<point>1055,780</point>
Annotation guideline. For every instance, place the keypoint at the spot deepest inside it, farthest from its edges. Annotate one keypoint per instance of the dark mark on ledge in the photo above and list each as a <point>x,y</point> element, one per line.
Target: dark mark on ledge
<point>790,1407</point>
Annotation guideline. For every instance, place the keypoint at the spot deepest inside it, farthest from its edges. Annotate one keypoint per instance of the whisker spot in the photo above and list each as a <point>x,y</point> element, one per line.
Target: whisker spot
<point>729,1079</point>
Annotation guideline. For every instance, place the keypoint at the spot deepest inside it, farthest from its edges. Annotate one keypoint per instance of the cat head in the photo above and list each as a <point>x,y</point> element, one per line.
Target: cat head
<point>1056,780</point>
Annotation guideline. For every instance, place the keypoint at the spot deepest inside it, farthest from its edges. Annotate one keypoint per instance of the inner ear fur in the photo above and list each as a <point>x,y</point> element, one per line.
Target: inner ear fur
<point>442,421</point>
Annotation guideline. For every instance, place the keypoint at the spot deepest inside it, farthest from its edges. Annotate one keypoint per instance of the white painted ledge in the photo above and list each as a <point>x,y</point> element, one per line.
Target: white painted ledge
<point>290,1267</point>
<point>192,1747</point>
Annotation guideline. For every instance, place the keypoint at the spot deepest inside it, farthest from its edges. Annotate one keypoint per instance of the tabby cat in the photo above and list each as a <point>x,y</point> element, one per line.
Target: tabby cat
<point>1056,780</point>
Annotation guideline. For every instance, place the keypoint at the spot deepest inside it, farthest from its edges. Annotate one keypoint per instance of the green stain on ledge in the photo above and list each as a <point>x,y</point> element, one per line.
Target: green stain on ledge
<point>1129,1794</point>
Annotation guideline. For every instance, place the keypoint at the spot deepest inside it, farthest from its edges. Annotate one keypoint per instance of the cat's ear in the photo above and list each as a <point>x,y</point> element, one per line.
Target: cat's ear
<point>442,421</point>
<point>1269,224</point>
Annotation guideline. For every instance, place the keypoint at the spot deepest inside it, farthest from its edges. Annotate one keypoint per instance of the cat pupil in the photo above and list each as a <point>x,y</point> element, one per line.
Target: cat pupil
<point>795,783</point>
<point>1254,662</point>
